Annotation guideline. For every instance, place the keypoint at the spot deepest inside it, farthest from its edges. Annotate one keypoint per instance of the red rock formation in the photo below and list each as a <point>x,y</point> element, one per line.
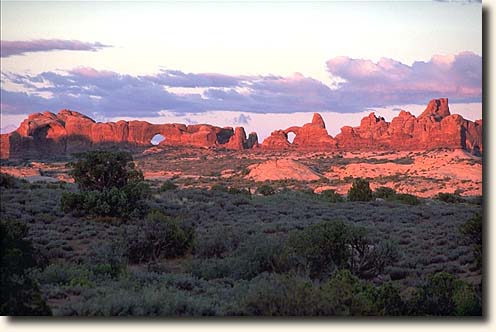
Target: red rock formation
<point>436,127</point>
<point>311,136</point>
<point>277,140</point>
<point>44,134</point>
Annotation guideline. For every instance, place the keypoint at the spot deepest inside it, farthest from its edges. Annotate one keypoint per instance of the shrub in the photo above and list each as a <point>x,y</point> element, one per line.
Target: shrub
<point>109,184</point>
<point>168,185</point>
<point>266,190</point>
<point>103,170</point>
<point>127,202</point>
<point>279,295</point>
<point>217,245</point>
<point>7,181</point>
<point>256,255</point>
<point>325,247</point>
<point>158,236</point>
<point>19,293</point>
<point>449,198</point>
<point>360,191</point>
<point>332,196</point>
<point>384,193</point>
<point>445,295</point>
<point>109,258</point>
<point>406,198</point>
<point>219,187</point>
<point>345,295</point>
<point>236,191</point>
<point>471,231</point>
<point>389,301</point>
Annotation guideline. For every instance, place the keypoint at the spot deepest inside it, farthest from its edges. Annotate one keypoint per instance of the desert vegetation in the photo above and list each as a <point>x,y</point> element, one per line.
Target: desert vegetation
<point>267,249</point>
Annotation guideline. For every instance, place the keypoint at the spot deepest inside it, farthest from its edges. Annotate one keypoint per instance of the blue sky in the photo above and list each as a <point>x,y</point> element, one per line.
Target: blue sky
<point>192,61</point>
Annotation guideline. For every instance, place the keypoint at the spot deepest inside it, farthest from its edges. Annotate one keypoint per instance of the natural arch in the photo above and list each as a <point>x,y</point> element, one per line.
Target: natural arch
<point>157,139</point>
<point>291,136</point>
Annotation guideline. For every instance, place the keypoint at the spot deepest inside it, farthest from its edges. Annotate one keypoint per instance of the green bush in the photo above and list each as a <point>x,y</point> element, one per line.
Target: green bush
<point>219,187</point>
<point>7,181</point>
<point>445,295</point>
<point>127,202</point>
<point>331,245</point>
<point>168,185</point>
<point>360,191</point>
<point>406,198</point>
<point>103,170</point>
<point>158,236</point>
<point>332,196</point>
<point>266,190</point>
<point>449,198</point>
<point>279,295</point>
<point>384,193</point>
<point>322,247</point>
<point>19,293</point>
<point>217,245</point>
<point>346,295</point>
<point>471,231</point>
<point>109,186</point>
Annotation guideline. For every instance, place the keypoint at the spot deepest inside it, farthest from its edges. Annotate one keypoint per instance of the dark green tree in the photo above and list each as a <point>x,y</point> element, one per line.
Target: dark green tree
<point>104,170</point>
<point>19,293</point>
<point>360,191</point>
<point>109,186</point>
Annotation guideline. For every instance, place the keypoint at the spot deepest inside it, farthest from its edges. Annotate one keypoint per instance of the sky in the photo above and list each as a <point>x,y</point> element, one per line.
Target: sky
<point>264,66</point>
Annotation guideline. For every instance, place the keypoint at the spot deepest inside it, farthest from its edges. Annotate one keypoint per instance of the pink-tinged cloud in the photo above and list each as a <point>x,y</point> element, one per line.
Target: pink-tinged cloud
<point>365,84</point>
<point>10,48</point>
<point>458,77</point>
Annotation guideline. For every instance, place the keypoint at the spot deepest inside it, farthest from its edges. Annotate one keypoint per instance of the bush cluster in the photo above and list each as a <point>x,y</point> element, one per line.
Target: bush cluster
<point>360,191</point>
<point>332,196</point>
<point>158,236</point>
<point>109,186</point>
<point>449,198</point>
<point>331,245</point>
<point>19,293</point>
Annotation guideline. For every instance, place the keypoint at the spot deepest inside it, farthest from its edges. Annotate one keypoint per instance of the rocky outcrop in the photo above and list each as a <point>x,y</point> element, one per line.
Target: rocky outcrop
<point>47,134</point>
<point>311,136</point>
<point>436,127</point>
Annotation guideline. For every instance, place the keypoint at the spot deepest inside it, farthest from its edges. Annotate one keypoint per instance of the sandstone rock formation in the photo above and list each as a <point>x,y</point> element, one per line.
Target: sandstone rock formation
<point>311,136</point>
<point>282,169</point>
<point>48,134</point>
<point>436,127</point>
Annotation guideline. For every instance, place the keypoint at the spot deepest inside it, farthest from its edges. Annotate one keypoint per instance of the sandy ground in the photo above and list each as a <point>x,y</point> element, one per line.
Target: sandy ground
<point>425,174</point>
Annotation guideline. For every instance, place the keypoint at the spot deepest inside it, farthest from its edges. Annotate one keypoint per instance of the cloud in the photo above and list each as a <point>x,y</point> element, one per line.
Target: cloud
<point>10,48</point>
<point>388,82</point>
<point>177,78</point>
<point>241,119</point>
<point>363,84</point>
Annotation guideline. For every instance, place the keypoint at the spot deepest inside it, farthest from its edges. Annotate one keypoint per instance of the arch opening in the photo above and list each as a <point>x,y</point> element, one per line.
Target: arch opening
<point>157,139</point>
<point>291,137</point>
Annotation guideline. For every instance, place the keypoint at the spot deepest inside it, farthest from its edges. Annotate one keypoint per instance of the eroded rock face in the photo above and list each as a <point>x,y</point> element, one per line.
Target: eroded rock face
<point>311,136</point>
<point>436,127</point>
<point>45,134</point>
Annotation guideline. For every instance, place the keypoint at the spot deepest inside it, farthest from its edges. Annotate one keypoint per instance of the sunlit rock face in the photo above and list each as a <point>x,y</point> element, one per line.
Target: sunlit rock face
<point>44,134</point>
<point>48,134</point>
<point>435,128</point>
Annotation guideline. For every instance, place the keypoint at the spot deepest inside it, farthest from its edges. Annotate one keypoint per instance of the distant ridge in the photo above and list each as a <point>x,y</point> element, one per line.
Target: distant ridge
<point>48,134</point>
